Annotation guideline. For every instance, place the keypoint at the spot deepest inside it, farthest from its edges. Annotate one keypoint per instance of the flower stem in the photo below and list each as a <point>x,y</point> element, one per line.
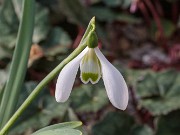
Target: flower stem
<point>48,78</point>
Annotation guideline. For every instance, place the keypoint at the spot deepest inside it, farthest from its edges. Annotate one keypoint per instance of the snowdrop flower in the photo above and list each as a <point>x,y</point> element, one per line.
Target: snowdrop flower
<point>93,65</point>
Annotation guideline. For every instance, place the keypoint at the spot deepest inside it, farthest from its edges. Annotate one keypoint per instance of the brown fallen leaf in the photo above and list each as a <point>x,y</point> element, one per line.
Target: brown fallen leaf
<point>35,54</point>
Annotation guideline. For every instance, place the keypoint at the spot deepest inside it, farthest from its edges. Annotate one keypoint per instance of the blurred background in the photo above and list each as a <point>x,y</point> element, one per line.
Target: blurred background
<point>140,37</point>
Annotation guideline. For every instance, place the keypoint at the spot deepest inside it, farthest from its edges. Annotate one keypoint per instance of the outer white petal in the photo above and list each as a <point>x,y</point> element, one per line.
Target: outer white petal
<point>66,78</point>
<point>114,82</point>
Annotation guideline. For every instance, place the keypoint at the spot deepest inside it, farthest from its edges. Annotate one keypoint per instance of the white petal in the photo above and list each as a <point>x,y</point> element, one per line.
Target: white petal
<point>114,82</point>
<point>66,78</point>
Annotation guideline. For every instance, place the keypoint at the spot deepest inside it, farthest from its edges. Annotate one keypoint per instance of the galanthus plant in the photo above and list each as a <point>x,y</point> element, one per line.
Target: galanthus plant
<point>87,56</point>
<point>93,65</point>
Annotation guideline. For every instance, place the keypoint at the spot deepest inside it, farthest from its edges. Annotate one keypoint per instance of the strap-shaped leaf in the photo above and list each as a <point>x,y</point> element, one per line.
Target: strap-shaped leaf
<point>64,131</point>
<point>60,126</point>
<point>19,63</point>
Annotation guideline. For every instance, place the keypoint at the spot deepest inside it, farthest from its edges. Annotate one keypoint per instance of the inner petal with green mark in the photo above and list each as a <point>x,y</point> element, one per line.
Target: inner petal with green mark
<point>90,67</point>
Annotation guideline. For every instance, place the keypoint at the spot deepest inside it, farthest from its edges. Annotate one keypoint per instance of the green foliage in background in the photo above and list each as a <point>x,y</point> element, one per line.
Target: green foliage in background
<point>159,92</point>
<point>59,24</point>
<point>120,123</point>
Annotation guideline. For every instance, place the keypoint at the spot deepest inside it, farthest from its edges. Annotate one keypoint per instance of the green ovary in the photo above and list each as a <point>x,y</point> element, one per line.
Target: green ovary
<point>87,76</point>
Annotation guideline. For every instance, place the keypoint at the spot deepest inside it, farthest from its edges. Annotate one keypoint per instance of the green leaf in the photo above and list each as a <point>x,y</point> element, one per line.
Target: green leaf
<point>9,21</point>
<point>114,123</point>
<point>42,24</point>
<point>169,124</point>
<point>144,81</point>
<point>65,125</point>
<point>58,42</point>
<point>8,25</point>
<point>142,130</point>
<point>19,63</point>
<point>8,17</point>
<point>147,87</point>
<point>60,132</point>
<point>89,98</point>
<point>119,123</point>
<point>159,92</point>
<point>169,94</point>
